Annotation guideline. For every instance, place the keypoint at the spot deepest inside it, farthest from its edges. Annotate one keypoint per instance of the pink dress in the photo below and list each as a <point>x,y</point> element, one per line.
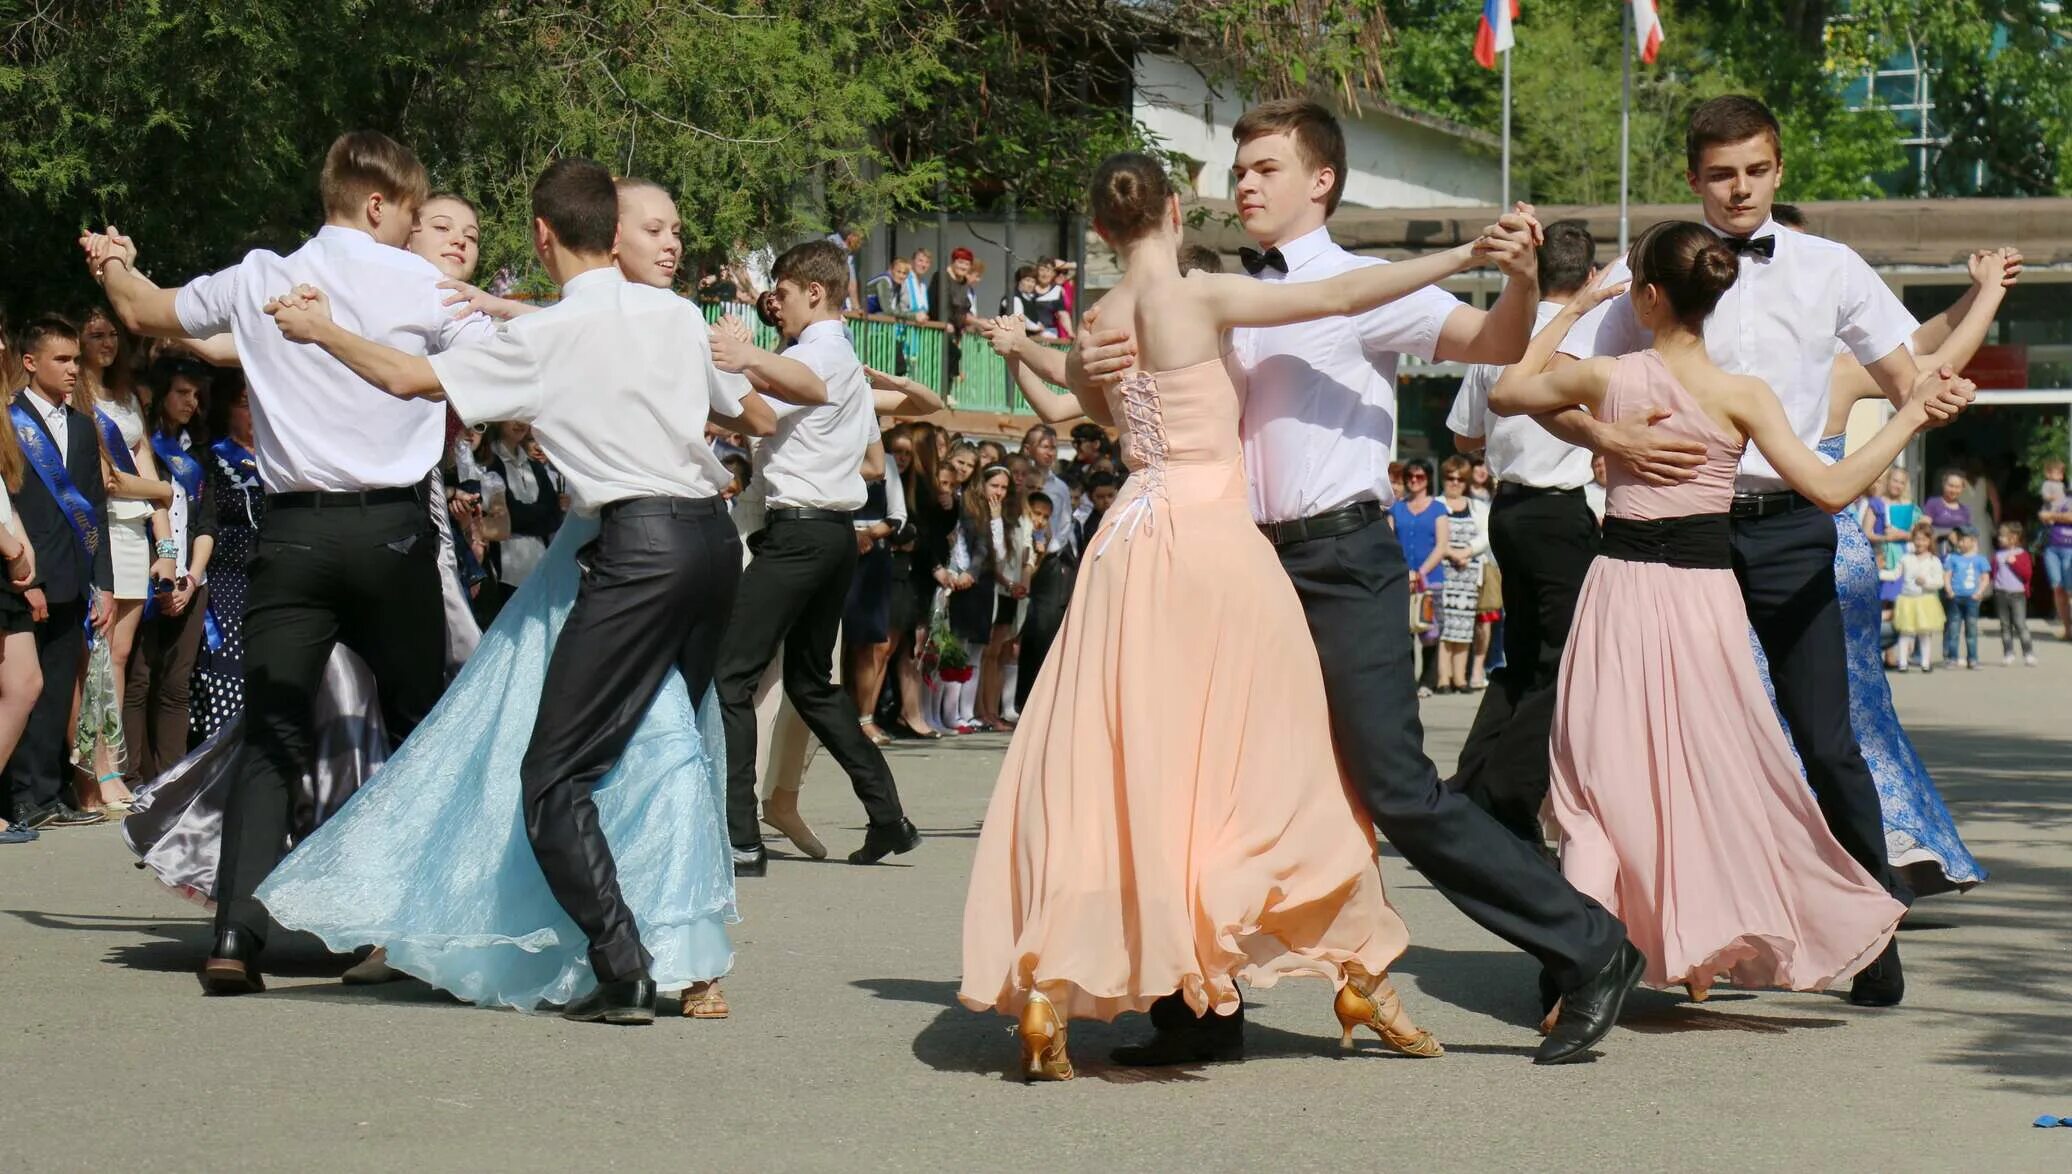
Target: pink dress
<point>1680,804</point>
<point>1170,815</point>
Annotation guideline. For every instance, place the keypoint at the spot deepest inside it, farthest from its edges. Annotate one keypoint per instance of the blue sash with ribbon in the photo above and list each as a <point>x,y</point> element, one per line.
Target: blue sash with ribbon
<point>184,468</point>
<point>49,464</point>
<point>111,439</point>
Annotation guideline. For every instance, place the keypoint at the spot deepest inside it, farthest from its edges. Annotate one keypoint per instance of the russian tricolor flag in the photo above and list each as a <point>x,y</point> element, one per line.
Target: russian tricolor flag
<point>1647,25</point>
<point>1494,36</point>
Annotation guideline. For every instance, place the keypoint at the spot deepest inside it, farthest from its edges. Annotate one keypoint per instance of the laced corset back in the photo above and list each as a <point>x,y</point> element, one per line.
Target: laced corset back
<point>1180,440</point>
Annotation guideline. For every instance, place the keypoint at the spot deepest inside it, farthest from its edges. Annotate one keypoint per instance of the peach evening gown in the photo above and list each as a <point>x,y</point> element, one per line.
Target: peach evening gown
<point>1680,804</point>
<point>1170,815</point>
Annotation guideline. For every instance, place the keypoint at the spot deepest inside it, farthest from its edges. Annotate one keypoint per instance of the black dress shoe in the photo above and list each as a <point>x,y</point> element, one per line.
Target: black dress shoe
<point>233,967</point>
<point>883,840</point>
<point>751,862</point>
<point>623,1000</point>
<point>1589,1011</point>
<point>1880,984</point>
<point>62,815</point>
<point>1181,1038</point>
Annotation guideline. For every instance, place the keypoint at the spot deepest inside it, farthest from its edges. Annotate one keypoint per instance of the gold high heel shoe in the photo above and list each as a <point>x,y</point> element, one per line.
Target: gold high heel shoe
<point>1378,1008</point>
<point>1699,991</point>
<point>1043,1042</point>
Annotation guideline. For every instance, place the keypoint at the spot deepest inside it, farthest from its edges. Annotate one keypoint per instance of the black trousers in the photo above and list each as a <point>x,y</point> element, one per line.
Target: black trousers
<point>792,594</point>
<point>1355,590</point>
<point>42,759</point>
<point>364,575</point>
<point>658,582</point>
<point>1544,544</point>
<point>1786,565</point>
<point>155,690</point>
<point>1050,593</point>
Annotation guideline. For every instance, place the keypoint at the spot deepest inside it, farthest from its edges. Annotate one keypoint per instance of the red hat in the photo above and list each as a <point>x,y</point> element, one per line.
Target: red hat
<point>960,253</point>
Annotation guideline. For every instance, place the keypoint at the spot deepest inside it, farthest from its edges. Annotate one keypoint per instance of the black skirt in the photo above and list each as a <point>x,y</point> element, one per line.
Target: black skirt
<point>868,614</point>
<point>14,613</point>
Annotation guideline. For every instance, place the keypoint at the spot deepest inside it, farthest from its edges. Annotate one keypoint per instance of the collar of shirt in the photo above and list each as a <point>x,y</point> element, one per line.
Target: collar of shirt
<point>345,236</point>
<point>47,408</point>
<point>1768,227</point>
<point>825,328</point>
<point>592,280</point>
<point>1302,250</point>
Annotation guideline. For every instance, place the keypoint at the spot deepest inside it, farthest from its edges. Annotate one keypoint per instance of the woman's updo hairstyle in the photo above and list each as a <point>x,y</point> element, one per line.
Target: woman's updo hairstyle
<point>1687,262</point>
<point>1129,195</point>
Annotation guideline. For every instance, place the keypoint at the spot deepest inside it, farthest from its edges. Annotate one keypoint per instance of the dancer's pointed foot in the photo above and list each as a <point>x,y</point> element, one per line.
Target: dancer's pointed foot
<point>882,840</point>
<point>781,812</point>
<point>233,967</point>
<point>372,970</point>
<point>704,1000</point>
<point>1699,991</point>
<point>1043,1042</point>
<point>629,1000</point>
<point>1370,1001</point>
<point>1586,1014</point>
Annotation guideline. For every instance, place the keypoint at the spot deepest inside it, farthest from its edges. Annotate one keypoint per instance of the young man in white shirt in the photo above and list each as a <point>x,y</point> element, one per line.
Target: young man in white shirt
<point>1050,591</point>
<point>1544,537</point>
<point>347,550</point>
<point>1797,300</point>
<point>618,380</point>
<point>1319,424</point>
<point>792,594</point>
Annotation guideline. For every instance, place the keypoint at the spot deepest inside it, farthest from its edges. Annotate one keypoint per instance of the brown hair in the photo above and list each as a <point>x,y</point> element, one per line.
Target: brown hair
<point>1455,467</point>
<point>1314,129</point>
<point>1730,118</point>
<point>1199,257</point>
<point>362,163</point>
<point>823,263</point>
<point>1684,260</point>
<point>121,375</point>
<point>1130,191</point>
<point>454,197</point>
<point>577,199</point>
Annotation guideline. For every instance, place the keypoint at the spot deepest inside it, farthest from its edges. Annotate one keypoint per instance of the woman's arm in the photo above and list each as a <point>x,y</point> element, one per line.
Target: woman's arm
<point>897,395</point>
<point>1529,388</point>
<point>1442,537</point>
<point>1831,487</point>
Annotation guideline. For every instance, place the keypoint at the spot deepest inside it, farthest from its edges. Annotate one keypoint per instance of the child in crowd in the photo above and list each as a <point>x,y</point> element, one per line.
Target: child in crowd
<point>2056,515</point>
<point>2052,491</point>
<point>2012,572</point>
<point>1969,576</point>
<point>1918,613</point>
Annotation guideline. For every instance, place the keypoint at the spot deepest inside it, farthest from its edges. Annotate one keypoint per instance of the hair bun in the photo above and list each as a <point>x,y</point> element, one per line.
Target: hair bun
<point>1715,268</point>
<point>1129,195</point>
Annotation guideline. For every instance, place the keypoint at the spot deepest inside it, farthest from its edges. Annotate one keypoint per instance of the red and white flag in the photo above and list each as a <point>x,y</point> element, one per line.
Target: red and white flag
<point>1647,23</point>
<point>1493,36</point>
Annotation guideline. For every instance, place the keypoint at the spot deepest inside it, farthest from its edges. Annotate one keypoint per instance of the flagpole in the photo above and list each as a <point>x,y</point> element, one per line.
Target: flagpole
<point>1625,118</point>
<point>1506,205</point>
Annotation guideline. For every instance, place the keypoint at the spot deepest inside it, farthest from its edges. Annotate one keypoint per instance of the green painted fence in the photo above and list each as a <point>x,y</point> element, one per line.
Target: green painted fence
<point>982,383</point>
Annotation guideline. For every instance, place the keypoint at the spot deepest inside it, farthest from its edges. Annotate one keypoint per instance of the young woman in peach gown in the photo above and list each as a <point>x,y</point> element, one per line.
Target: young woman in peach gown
<point>1170,816</point>
<point>1681,808</point>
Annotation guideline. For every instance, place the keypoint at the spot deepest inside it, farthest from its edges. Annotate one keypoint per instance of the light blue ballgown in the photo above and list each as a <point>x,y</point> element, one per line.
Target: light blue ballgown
<point>430,859</point>
<point>1920,836</point>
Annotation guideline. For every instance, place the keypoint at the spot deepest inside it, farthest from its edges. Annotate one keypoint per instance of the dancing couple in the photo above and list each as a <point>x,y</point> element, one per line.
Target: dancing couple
<point>1150,844</point>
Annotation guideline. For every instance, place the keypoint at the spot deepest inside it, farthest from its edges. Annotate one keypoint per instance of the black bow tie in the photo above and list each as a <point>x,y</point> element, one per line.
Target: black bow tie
<point>1740,246</point>
<point>1257,262</point>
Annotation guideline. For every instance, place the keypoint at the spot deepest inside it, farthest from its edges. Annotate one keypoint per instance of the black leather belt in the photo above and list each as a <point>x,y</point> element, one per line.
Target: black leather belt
<point>1329,524</point>
<point>1764,505</point>
<point>674,507</point>
<point>1513,489</point>
<point>313,500</point>
<point>794,513</point>
<point>1700,541</point>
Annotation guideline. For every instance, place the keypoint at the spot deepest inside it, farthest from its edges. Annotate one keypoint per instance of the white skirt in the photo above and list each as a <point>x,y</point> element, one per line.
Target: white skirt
<point>129,548</point>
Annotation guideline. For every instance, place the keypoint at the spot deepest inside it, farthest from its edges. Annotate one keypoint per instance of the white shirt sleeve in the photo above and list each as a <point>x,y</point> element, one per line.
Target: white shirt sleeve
<point>724,389</point>
<point>498,378</point>
<point>895,495</point>
<point>449,332</point>
<point>206,305</point>
<point>1610,330</point>
<point>1410,325</point>
<point>1471,403</point>
<point>1870,319</point>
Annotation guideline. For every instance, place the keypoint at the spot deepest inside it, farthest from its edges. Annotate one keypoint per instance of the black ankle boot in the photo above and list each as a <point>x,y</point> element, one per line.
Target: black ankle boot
<point>883,840</point>
<point>233,966</point>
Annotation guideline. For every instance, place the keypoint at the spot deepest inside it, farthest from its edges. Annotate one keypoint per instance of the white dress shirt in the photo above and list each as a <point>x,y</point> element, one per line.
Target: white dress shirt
<point>617,381</point>
<point>1517,448</point>
<point>1320,402</point>
<point>814,460</point>
<point>1778,322</point>
<point>316,425</point>
<point>56,417</point>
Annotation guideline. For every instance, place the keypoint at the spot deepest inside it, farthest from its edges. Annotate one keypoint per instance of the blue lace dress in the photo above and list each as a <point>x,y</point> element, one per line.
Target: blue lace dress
<point>1920,836</point>
<point>430,859</point>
